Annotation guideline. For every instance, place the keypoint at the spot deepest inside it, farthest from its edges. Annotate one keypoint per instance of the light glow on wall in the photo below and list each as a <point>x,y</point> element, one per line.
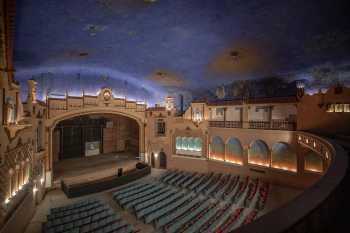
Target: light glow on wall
<point>258,153</point>
<point>285,168</point>
<point>217,148</point>
<point>313,162</point>
<point>259,163</point>
<point>15,192</point>
<point>283,157</point>
<point>234,151</point>
<point>217,158</point>
<point>314,170</point>
<point>234,162</point>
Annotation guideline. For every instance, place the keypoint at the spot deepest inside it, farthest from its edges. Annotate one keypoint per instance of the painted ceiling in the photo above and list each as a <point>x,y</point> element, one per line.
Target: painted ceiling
<point>149,48</point>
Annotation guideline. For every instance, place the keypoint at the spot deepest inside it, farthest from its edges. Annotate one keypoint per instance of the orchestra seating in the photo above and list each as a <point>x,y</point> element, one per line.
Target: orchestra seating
<point>90,215</point>
<point>192,202</point>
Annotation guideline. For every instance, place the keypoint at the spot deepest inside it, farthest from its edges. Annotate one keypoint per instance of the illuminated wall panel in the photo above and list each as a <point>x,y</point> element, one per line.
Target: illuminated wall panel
<point>283,157</point>
<point>217,148</point>
<point>188,146</point>
<point>234,151</point>
<point>258,153</point>
<point>313,162</point>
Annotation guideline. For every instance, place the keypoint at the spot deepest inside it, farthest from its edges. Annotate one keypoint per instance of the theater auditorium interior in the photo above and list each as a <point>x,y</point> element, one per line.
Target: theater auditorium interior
<point>174,116</point>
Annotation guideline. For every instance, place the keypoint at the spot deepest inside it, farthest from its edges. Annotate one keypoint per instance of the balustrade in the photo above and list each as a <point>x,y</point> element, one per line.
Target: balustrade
<point>274,124</point>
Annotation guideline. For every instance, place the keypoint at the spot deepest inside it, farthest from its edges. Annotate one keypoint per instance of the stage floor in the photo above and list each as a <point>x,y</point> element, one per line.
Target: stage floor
<point>80,170</point>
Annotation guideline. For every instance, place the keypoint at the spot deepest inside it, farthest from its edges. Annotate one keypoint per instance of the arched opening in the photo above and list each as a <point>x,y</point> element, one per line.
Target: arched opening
<point>162,160</point>
<point>217,148</point>
<point>234,151</point>
<point>313,162</point>
<point>91,142</point>
<point>283,157</point>
<point>258,153</point>
<point>153,160</point>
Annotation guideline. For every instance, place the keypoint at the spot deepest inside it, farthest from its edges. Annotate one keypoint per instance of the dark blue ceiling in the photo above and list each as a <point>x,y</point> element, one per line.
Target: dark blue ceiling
<point>171,46</point>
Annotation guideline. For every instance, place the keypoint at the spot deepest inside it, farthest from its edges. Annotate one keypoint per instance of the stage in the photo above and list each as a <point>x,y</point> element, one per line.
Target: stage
<point>81,170</point>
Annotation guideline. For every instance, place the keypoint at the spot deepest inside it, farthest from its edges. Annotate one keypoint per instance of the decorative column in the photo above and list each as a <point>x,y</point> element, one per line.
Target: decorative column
<point>270,116</point>
<point>300,151</point>
<point>9,195</point>
<point>18,168</point>
<point>142,141</point>
<point>225,118</point>
<point>245,155</point>
<point>245,116</point>
<point>20,175</point>
<point>28,170</point>
<point>25,173</point>
<point>15,181</point>
<point>225,150</point>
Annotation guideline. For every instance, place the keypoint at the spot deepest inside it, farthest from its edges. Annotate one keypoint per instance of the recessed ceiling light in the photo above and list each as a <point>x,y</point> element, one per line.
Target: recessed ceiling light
<point>234,54</point>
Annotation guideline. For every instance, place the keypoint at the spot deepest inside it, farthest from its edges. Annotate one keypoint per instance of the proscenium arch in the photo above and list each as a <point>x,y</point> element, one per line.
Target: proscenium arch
<point>51,123</point>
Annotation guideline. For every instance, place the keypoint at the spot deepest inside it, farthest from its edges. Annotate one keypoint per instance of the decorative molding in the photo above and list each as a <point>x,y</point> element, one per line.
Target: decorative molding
<point>12,131</point>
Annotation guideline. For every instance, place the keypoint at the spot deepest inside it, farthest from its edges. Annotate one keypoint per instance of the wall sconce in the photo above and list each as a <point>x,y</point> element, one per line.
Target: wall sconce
<point>197,118</point>
<point>35,189</point>
<point>42,180</point>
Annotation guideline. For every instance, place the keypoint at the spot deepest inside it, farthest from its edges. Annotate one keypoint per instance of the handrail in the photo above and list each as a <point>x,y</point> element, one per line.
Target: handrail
<point>312,203</point>
<point>273,124</point>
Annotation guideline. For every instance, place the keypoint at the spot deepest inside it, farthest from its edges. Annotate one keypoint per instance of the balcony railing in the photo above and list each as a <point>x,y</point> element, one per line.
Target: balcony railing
<point>226,124</point>
<point>259,125</point>
<point>281,124</point>
<point>274,124</point>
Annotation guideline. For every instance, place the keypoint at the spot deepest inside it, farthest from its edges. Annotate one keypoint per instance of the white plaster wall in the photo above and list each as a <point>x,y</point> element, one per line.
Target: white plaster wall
<point>215,117</point>
<point>233,114</point>
<point>257,115</point>
<point>283,112</point>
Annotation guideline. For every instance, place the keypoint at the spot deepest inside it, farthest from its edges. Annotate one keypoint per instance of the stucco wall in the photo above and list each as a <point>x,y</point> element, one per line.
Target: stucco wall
<point>21,216</point>
<point>271,175</point>
<point>313,115</point>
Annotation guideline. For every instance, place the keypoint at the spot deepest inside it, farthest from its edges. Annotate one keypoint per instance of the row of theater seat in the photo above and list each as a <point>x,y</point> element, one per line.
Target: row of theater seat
<point>245,192</point>
<point>191,202</point>
<point>90,215</point>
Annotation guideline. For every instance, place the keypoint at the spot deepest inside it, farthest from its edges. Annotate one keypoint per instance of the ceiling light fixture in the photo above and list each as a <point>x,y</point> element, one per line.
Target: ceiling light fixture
<point>234,54</point>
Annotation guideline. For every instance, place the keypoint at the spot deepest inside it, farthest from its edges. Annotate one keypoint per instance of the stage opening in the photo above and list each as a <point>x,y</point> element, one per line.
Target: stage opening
<point>89,144</point>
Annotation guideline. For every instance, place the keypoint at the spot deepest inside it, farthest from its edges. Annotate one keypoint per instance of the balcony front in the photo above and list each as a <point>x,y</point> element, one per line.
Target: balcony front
<point>268,125</point>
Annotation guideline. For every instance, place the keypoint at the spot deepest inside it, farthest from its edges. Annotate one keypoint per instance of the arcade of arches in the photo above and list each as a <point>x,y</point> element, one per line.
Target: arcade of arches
<point>106,162</point>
